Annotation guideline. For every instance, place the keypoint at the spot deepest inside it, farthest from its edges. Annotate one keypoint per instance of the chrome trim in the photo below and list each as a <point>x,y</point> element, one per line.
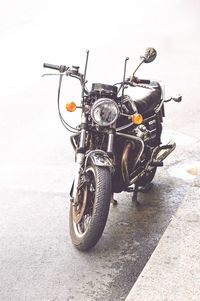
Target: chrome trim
<point>110,142</point>
<point>136,177</point>
<point>99,158</point>
<point>153,117</point>
<point>79,162</point>
<point>83,131</point>
<point>82,138</point>
<point>162,86</point>
<point>123,127</point>
<point>72,140</point>
<point>166,152</point>
<point>127,98</point>
<point>101,101</point>
<point>124,163</point>
<point>155,155</point>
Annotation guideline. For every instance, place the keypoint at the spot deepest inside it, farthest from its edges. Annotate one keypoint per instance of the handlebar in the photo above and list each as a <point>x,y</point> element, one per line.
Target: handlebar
<point>74,72</point>
<point>61,68</point>
<point>136,81</point>
<point>143,81</point>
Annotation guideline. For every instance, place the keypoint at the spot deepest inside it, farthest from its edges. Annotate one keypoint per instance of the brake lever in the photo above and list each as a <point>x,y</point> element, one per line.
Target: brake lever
<point>46,74</point>
<point>176,99</point>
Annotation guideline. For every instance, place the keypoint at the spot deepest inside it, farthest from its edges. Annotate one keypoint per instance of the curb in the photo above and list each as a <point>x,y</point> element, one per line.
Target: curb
<point>173,270</point>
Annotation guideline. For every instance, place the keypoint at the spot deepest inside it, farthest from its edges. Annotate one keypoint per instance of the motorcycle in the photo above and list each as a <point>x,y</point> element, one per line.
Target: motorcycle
<point>117,146</point>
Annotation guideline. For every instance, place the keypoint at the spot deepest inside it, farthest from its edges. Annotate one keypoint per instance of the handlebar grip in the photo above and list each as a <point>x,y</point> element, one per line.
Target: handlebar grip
<point>143,81</point>
<point>51,66</point>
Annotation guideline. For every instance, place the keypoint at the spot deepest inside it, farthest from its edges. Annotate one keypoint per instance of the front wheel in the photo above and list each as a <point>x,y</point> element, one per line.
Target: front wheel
<point>87,217</point>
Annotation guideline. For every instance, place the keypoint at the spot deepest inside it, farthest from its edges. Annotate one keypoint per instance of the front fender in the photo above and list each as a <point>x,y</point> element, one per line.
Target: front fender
<point>98,158</point>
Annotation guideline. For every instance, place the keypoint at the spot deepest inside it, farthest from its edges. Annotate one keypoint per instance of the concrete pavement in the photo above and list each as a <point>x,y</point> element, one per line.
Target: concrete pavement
<point>37,259</point>
<point>173,271</point>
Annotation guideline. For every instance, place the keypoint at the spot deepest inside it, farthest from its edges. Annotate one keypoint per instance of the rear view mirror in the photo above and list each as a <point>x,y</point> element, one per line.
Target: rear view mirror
<point>149,55</point>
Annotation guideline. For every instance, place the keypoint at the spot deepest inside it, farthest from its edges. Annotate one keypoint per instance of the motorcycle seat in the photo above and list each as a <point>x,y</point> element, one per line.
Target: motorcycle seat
<point>151,100</point>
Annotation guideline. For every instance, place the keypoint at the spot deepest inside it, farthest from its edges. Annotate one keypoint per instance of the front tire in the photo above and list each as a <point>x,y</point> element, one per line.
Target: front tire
<point>96,196</point>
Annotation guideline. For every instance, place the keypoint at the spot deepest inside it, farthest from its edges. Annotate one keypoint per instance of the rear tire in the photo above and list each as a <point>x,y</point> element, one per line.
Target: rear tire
<point>147,178</point>
<point>86,232</point>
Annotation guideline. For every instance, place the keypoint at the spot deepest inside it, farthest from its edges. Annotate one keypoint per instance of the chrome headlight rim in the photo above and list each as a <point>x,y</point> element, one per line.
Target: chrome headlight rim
<point>103,101</point>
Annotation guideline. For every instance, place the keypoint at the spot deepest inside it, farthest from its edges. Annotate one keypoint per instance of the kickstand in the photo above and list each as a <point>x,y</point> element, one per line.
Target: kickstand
<point>135,195</point>
<point>113,201</point>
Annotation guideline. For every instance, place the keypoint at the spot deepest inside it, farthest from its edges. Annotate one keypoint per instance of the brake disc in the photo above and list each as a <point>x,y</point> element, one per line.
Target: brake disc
<point>80,206</point>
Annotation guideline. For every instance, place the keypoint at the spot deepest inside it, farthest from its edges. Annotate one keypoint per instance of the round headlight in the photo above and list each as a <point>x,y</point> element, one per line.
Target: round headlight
<point>104,111</point>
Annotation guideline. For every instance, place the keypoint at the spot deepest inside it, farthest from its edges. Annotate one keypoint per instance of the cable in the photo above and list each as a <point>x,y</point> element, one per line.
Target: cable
<point>64,123</point>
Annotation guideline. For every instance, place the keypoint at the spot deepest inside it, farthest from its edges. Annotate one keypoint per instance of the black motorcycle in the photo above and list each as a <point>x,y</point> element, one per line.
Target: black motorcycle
<point>117,146</point>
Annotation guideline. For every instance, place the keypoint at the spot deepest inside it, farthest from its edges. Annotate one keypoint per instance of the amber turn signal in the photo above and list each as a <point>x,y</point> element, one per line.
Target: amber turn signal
<point>137,118</point>
<point>70,107</point>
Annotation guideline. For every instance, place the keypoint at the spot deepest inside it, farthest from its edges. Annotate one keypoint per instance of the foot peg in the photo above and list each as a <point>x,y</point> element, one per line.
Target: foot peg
<point>157,163</point>
<point>164,151</point>
<point>167,146</point>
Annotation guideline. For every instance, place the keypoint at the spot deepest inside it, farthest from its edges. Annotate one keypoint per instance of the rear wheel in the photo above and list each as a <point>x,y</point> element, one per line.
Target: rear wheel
<point>147,178</point>
<point>87,217</point>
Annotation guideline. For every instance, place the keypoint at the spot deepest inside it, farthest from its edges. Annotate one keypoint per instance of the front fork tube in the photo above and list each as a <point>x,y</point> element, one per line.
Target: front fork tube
<point>79,163</point>
<point>110,147</point>
<point>79,156</point>
<point>110,142</point>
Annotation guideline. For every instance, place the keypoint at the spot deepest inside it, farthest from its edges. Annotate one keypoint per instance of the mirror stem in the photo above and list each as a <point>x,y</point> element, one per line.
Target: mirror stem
<point>142,61</point>
<point>124,77</point>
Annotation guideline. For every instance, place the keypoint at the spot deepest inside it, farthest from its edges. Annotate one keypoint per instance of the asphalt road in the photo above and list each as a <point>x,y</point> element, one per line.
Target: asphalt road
<point>37,259</point>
